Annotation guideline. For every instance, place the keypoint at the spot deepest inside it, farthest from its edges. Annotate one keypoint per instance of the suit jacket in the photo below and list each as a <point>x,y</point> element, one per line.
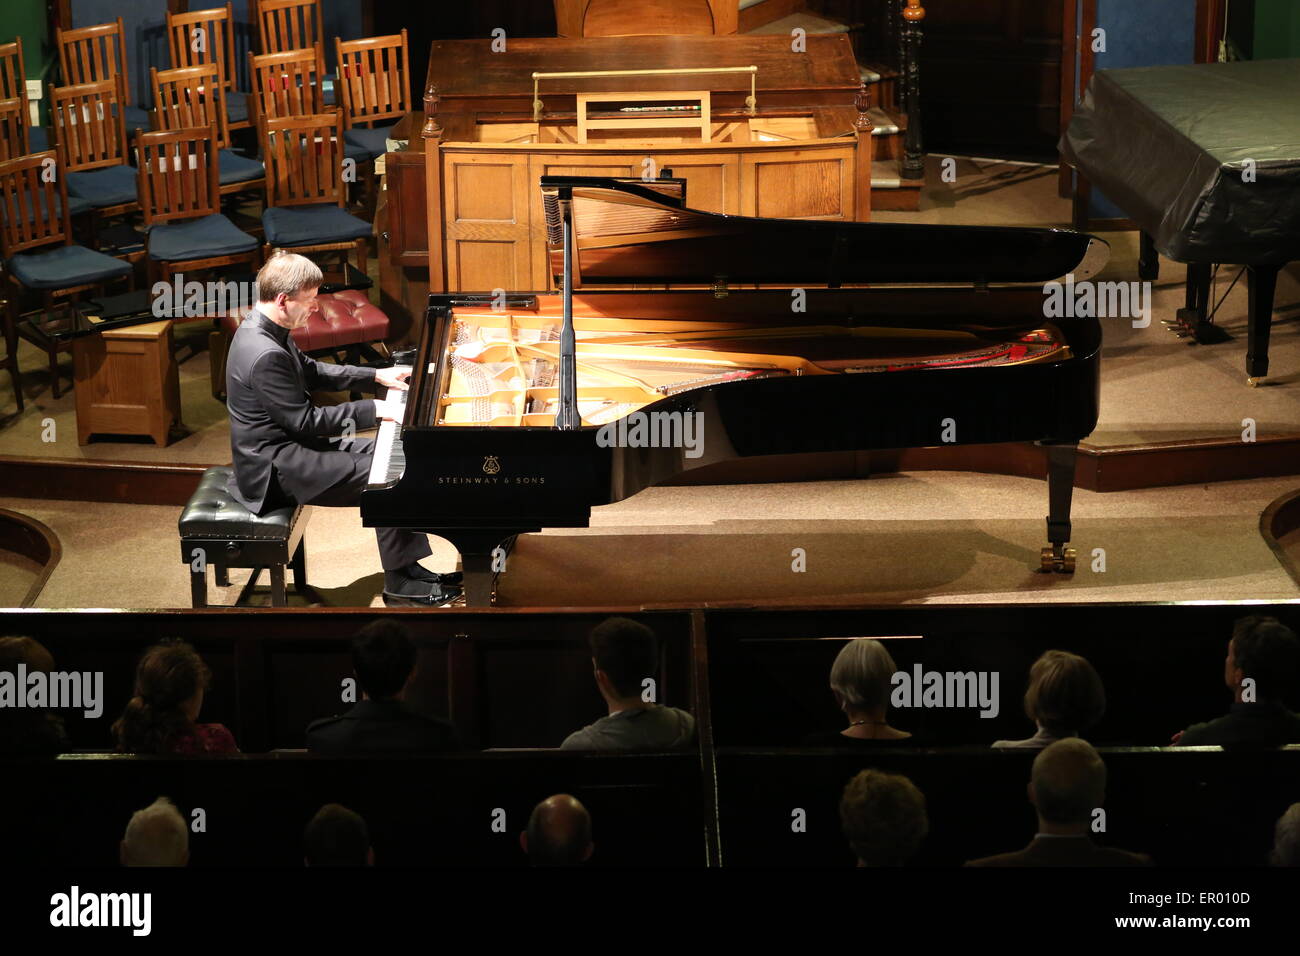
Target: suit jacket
<point>1262,724</point>
<point>273,423</point>
<point>380,726</point>
<point>1065,851</point>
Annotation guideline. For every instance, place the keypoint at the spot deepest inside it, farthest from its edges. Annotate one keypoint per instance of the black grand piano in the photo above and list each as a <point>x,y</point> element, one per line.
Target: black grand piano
<point>525,410</point>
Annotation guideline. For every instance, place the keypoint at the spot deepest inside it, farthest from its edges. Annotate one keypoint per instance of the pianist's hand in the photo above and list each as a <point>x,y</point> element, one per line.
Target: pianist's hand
<point>394,377</point>
<point>384,409</point>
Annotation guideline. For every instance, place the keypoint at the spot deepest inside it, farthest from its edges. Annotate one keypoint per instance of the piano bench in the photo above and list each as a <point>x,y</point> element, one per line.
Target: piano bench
<point>218,530</point>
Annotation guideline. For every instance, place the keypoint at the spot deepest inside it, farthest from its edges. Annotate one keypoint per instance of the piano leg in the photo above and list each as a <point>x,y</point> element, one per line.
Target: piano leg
<point>1194,317</point>
<point>1262,287</point>
<point>478,555</point>
<point>1060,490</point>
<point>1148,258</point>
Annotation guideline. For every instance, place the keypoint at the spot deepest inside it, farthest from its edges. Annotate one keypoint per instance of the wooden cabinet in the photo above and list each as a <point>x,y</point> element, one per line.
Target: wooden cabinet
<point>127,383</point>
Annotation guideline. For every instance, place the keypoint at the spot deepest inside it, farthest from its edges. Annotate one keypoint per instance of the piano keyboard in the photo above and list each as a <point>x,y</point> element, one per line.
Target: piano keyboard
<point>390,460</point>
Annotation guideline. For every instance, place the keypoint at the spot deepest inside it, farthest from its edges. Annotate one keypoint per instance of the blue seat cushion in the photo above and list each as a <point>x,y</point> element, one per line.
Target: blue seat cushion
<point>135,118</point>
<point>233,168</point>
<point>236,106</point>
<point>64,267</point>
<point>203,238</point>
<point>371,140</point>
<point>76,206</point>
<point>39,139</point>
<point>311,225</point>
<point>107,186</point>
<point>356,152</point>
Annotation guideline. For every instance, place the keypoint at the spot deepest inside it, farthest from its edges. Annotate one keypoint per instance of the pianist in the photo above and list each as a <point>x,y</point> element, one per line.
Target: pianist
<point>285,449</point>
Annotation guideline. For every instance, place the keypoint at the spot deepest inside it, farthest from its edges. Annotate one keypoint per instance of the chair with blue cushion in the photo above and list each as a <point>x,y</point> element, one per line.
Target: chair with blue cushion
<point>39,254</point>
<point>194,96</point>
<point>207,36</point>
<point>13,84</point>
<point>94,53</point>
<point>372,78</point>
<point>291,83</point>
<point>305,192</point>
<point>181,201</point>
<point>91,144</point>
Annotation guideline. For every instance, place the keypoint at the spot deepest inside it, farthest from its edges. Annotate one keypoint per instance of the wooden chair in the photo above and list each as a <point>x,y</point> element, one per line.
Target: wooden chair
<point>372,79</point>
<point>207,36</point>
<point>181,201</point>
<point>13,128</point>
<point>305,194</point>
<point>291,84</point>
<point>13,84</point>
<point>94,53</point>
<point>287,24</point>
<point>91,143</point>
<point>33,216</point>
<point>184,100</point>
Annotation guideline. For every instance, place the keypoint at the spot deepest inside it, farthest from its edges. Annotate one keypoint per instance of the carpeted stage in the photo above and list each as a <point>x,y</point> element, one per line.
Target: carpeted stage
<point>918,536</point>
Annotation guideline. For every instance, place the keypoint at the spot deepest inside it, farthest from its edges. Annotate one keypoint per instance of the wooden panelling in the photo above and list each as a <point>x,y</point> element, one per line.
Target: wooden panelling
<point>804,184</point>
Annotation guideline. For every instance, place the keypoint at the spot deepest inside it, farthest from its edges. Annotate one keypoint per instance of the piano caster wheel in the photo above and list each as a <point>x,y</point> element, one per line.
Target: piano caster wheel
<point>1062,564</point>
<point>1254,381</point>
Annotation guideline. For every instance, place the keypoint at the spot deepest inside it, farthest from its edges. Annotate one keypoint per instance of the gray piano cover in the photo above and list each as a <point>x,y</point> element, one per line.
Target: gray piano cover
<point>1169,145</point>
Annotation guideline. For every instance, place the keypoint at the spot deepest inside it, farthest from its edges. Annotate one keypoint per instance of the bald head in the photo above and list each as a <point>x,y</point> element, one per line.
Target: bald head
<point>1068,781</point>
<point>156,836</point>
<point>559,832</point>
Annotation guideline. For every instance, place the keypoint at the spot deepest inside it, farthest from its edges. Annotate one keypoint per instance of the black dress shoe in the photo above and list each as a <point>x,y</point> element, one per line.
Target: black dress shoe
<point>420,573</point>
<point>434,597</point>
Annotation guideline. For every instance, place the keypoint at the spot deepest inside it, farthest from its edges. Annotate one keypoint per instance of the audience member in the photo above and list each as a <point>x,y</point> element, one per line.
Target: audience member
<point>1265,653</point>
<point>883,817</point>
<point>27,730</point>
<point>1067,785</point>
<point>624,654</point>
<point>156,836</point>
<point>336,836</point>
<point>1065,697</point>
<point>161,718</point>
<point>559,833</point>
<point>861,680</point>
<point>1286,838</point>
<point>383,660</point>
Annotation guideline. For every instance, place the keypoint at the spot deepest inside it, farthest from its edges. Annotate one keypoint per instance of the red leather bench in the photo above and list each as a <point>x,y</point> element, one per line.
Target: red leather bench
<point>345,326</point>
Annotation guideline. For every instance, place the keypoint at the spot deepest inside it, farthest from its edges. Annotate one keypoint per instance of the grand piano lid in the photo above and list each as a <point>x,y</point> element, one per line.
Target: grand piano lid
<point>630,232</point>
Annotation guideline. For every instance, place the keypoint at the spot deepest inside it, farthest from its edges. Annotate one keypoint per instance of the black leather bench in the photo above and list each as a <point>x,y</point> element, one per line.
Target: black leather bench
<point>218,530</point>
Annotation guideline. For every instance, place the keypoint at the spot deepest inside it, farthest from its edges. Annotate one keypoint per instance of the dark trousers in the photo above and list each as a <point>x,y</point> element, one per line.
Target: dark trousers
<point>397,546</point>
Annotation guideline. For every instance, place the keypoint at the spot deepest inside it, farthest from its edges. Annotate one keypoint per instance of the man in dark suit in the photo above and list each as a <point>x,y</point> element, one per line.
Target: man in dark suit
<point>286,449</point>
<point>383,659</point>
<point>1260,670</point>
<point>1068,783</point>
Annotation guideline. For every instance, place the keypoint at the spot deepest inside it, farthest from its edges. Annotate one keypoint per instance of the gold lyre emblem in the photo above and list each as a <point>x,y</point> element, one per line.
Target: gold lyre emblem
<point>491,465</point>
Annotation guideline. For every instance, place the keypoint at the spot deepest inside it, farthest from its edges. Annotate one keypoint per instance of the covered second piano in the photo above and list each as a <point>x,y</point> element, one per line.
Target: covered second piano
<point>681,339</point>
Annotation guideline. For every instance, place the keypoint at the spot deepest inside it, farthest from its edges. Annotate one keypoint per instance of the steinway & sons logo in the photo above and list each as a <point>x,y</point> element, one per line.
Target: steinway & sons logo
<point>492,475</point>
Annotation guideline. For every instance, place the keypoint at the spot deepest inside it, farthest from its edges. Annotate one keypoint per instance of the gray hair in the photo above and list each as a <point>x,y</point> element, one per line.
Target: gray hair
<point>156,836</point>
<point>862,674</point>
<point>289,273</point>
<point>1286,838</point>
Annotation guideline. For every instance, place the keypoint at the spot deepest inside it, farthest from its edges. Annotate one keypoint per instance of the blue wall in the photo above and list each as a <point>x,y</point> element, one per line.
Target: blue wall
<point>1145,33</point>
<point>145,23</point>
